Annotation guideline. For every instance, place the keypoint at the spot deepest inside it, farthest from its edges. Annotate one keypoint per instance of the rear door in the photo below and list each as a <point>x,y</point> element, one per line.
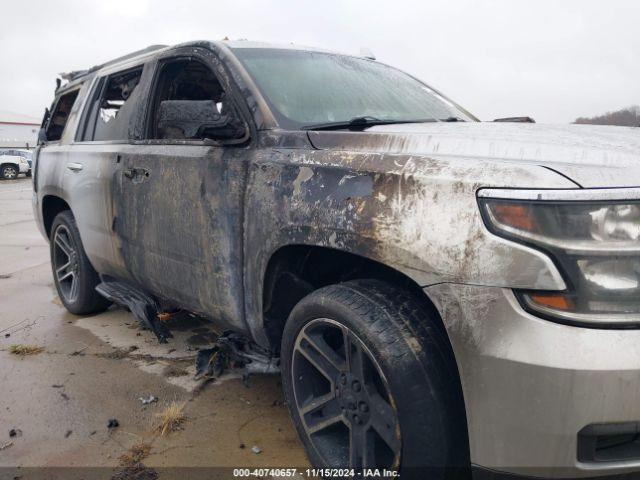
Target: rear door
<point>179,207</point>
<point>92,160</point>
<point>74,171</point>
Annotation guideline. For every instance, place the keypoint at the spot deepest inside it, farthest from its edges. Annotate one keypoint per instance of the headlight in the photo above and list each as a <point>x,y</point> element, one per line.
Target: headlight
<point>594,243</point>
<point>23,160</point>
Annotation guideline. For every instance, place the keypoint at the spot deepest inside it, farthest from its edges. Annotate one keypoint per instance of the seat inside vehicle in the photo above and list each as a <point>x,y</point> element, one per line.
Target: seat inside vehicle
<point>185,80</point>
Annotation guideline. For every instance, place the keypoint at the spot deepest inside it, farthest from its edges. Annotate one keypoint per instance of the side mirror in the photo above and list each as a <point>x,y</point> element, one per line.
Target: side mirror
<point>196,119</point>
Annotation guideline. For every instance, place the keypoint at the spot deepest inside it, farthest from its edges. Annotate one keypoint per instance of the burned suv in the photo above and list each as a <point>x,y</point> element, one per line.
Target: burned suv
<point>444,295</point>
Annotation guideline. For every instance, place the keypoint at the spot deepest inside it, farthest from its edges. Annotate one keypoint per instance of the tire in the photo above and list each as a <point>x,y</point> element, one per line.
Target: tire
<point>9,172</point>
<point>66,250</point>
<point>410,365</point>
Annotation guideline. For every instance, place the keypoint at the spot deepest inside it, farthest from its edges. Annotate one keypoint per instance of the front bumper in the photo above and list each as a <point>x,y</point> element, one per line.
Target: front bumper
<point>531,385</point>
<point>24,167</point>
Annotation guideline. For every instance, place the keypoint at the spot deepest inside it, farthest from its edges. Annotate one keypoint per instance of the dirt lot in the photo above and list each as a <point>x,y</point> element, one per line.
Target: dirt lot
<point>93,369</point>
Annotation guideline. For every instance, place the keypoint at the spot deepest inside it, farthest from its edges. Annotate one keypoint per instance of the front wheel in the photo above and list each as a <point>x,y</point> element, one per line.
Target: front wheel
<point>369,381</point>
<point>9,172</point>
<point>73,275</point>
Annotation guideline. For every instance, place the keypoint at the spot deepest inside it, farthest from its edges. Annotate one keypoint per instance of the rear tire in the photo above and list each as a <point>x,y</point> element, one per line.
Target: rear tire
<point>73,275</point>
<point>407,353</point>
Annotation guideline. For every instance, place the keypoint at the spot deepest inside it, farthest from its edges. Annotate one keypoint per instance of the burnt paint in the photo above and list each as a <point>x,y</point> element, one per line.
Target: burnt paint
<point>202,227</point>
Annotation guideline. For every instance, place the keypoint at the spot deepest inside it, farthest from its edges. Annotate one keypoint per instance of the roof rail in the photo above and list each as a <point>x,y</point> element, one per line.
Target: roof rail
<point>70,76</point>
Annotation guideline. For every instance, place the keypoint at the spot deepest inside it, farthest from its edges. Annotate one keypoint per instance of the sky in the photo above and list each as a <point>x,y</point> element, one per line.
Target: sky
<point>554,60</point>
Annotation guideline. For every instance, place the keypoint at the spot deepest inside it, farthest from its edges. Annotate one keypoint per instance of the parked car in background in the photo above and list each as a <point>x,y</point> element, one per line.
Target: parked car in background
<point>441,292</point>
<point>14,161</point>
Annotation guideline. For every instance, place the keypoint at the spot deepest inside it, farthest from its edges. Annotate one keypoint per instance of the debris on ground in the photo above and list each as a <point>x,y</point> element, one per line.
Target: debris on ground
<point>64,396</point>
<point>256,449</point>
<point>135,454</point>
<point>171,418</point>
<point>115,354</point>
<point>234,350</point>
<point>7,335</point>
<point>57,385</point>
<point>143,307</point>
<point>24,350</point>
<point>113,423</point>
<point>174,371</point>
<point>4,276</point>
<point>148,400</point>
<point>166,316</point>
<point>138,471</point>
<point>79,351</point>
<point>15,432</point>
<point>5,446</point>
<point>68,434</point>
<point>242,446</point>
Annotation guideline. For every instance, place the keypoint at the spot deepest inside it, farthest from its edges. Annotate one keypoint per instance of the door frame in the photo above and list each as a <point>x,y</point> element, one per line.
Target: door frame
<point>222,73</point>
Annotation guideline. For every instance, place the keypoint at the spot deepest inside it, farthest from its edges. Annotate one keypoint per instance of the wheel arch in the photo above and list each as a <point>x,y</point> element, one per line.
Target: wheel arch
<point>17,167</point>
<point>52,205</point>
<point>295,270</point>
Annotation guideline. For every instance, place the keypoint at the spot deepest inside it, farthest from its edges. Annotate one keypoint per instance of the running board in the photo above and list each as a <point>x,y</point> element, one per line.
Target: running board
<point>143,306</point>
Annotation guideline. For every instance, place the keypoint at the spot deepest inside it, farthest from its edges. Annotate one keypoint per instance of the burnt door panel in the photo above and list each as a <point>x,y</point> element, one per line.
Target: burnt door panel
<point>179,220</point>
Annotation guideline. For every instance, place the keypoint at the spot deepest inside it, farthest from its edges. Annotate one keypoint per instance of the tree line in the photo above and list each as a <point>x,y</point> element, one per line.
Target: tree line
<point>627,117</point>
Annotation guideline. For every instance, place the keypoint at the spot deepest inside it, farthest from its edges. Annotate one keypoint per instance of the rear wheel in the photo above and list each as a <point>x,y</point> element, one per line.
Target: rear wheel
<point>73,275</point>
<point>9,172</point>
<point>370,383</point>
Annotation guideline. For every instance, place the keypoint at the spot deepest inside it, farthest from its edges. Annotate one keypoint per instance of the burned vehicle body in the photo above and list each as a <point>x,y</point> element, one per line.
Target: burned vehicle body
<point>274,229</point>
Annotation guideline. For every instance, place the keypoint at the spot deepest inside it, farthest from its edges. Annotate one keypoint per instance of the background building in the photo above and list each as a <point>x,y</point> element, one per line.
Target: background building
<point>18,131</point>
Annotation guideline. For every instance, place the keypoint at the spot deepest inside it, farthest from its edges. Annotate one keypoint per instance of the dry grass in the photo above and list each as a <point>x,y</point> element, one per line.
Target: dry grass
<point>24,350</point>
<point>171,418</point>
<point>135,454</point>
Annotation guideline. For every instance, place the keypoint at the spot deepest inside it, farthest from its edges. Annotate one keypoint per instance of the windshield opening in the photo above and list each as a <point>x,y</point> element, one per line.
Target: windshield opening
<point>305,88</point>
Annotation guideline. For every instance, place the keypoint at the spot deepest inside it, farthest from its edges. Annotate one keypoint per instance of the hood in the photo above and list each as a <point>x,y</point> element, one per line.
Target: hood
<point>592,156</point>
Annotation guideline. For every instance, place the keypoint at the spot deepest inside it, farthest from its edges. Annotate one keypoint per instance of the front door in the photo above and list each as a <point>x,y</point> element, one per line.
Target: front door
<point>180,206</point>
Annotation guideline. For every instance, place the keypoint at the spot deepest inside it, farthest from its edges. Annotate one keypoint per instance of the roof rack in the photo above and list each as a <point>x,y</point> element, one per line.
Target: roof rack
<point>70,76</point>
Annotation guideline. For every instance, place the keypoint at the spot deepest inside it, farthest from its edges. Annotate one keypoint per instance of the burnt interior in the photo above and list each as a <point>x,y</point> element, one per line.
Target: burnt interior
<point>189,80</point>
<point>112,111</point>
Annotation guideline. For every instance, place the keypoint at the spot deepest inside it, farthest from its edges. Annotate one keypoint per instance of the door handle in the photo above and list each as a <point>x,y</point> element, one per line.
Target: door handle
<point>74,167</point>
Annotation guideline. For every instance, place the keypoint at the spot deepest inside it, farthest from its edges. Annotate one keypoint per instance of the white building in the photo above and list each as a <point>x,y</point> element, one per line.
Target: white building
<point>18,131</point>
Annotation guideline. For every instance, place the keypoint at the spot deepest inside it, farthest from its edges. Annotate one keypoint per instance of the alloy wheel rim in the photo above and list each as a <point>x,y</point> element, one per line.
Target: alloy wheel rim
<point>343,399</point>
<point>65,263</point>
<point>9,173</point>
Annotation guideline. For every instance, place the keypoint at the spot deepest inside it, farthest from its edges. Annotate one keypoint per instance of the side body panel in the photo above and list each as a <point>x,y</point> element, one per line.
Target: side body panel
<point>81,174</point>
<point>416,214</point>
<point>178,219</point>
<point>179,228</point>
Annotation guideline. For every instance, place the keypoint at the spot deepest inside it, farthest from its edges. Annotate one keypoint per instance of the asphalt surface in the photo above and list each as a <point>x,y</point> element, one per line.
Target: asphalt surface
<point>93,369</point>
